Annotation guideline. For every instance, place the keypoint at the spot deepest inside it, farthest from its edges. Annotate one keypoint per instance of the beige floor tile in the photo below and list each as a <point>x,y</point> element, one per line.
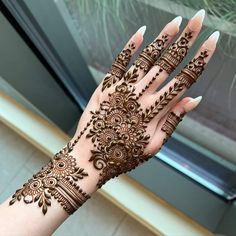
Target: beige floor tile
<point>130,227</point>
<point>21,177</point>
<point>14,152</point>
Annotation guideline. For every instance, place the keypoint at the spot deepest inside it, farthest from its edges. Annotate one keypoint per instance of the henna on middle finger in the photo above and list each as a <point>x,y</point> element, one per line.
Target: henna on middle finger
<point>175,53</point>
<point>150,54</point>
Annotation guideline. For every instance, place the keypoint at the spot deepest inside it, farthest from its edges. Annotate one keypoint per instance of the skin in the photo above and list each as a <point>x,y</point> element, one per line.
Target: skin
<point>21,219</point>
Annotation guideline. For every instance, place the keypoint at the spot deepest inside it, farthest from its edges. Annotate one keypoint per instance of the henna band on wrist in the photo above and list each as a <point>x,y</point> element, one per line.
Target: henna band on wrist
<point>193,70</point>
<point>57,179</point>
<point>175,54</point>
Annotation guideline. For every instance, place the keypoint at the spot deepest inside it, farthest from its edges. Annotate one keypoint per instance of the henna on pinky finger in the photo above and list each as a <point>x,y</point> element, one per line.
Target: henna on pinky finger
<point>121,62</point>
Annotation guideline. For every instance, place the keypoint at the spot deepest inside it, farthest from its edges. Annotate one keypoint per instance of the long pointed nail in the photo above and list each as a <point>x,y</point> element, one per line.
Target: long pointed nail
<point>200,14</point>
<point>192,104</point>
<point>142,30</point>
<point>215,36</point>
<point>177,20</point>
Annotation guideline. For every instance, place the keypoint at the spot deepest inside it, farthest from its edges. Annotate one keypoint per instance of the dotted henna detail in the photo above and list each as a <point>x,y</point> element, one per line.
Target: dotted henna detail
<point>118,68</point>
<point>149,84</point>
<point>57,179</point>
<point>150,54</point>
<point>175,53</point>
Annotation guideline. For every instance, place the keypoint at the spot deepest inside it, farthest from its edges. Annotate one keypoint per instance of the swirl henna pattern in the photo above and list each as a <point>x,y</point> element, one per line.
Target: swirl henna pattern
<point>57,179</point>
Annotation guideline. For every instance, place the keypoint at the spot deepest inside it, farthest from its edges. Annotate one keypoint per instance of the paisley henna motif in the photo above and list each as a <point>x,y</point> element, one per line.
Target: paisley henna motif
<point>118,68</point>
<point>193,70</point>
<point>150,54</point>
<point>175,53</point>
<point>170,125</point>
<point>57,179</point>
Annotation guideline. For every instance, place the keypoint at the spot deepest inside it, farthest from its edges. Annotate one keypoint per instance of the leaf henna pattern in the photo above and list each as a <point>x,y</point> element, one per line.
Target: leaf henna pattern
<point>118,68</point>
<point>56,179</point>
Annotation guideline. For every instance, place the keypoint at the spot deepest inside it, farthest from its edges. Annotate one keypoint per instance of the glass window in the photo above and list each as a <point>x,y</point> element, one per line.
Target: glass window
<point>79,40</point>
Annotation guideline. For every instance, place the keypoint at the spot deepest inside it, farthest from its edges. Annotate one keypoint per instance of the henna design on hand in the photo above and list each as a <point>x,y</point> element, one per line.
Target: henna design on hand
<point>118,68</point>
<point>118,134</point>
<point>149,84</point>
<point>193,70</point>
<point>57,179</point>
<point>151,53</point>
<point>170,125</point>
<point>175,54</point>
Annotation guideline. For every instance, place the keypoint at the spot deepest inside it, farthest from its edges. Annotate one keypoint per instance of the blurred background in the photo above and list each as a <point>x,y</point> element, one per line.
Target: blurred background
<point>54,53</point>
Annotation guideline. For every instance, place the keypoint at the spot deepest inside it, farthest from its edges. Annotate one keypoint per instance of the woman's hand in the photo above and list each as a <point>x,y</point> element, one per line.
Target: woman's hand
<point>124,124</point>
<point>127,120</point>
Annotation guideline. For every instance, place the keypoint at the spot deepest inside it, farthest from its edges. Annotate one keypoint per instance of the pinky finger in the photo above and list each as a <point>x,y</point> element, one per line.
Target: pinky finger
<point>121,62</point>
<point>170,121</point>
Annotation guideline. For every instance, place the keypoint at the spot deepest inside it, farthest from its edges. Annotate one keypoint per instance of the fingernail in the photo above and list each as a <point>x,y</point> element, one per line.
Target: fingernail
<point>142,30</point>
<point>192,104</point>
<point>177,20</point>
<point>215,36</point>
<point>200,14</point>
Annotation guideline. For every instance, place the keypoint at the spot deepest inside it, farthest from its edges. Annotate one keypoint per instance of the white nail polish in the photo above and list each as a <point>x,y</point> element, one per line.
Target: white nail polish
<point>200,14</point>
<point>177,20</point>
<point>215,36</point>
<point>142,30</point>
<point>192,104</point>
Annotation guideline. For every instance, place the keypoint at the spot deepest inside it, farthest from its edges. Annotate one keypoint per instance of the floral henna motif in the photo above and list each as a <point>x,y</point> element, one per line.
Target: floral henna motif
<point>118,133</point>
<point>193,70</point>
<point>150,54</point>
<point>118,68</point>
<point>170,124</point>
<point>57,179</point>
<point>175,53</point>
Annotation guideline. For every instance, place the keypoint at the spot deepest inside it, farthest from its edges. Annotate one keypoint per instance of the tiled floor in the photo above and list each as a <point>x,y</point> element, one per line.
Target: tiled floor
<point>19,160</point>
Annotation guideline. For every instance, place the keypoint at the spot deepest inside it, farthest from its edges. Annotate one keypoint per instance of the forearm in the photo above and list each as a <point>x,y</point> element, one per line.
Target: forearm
<point>29,219</point>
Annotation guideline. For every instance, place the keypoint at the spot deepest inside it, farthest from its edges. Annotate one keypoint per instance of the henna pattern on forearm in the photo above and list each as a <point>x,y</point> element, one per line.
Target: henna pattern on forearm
<point>175,53</point>
<point>58,179</point>
<point>150,54</point>
<point>170,125</point>
<point>118,68</point>
<point>193,70</point>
